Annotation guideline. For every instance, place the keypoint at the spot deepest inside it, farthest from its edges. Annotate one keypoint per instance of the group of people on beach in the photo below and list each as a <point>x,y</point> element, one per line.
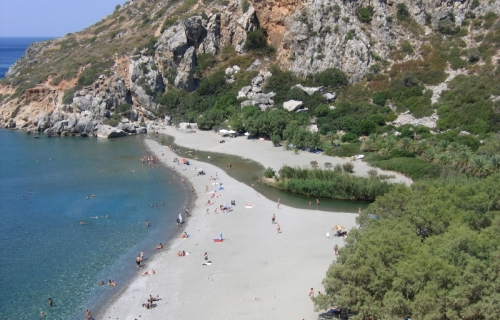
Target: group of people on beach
<point>149,159</point>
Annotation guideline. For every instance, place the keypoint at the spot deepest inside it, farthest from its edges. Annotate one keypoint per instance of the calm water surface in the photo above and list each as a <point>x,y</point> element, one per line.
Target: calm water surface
<point>45,252</point>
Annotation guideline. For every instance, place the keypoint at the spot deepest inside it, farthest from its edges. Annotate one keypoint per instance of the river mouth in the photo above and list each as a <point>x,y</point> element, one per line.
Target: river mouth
<point>249,172</point>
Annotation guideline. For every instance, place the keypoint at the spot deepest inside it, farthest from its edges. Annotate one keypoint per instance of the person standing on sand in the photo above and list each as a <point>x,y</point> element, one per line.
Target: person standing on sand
<point>278,203</point>
<point>138,261</point>
<point>311,294</point>
<point>336,249</point>
<point>206,255</point>
<point>88,314</point>
<point>141,255</point>
<point>273,219</point>
<point>278,228</point>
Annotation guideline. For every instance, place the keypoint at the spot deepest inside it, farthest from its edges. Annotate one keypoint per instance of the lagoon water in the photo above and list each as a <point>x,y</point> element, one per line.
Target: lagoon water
<point>45,252</point>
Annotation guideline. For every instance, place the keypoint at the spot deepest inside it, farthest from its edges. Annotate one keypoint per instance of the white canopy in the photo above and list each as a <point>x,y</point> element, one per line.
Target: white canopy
<point>247,133</point>
<point>231,131</point>
<point>223,131</point>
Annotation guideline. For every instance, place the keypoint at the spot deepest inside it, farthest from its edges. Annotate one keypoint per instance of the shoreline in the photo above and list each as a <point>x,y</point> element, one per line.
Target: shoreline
<point>254,271</point>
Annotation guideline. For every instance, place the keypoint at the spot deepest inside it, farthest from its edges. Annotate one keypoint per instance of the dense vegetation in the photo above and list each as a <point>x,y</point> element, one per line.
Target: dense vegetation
<point>330,183</point>
<point>432,255</point>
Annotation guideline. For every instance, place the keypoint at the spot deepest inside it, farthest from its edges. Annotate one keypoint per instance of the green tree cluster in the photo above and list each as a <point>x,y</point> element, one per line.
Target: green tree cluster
<point>426,252</point>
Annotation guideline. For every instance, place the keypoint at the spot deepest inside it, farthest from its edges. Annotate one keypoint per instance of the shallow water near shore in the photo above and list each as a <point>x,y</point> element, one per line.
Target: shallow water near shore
<point>45,252</point>
<point>249,172</point>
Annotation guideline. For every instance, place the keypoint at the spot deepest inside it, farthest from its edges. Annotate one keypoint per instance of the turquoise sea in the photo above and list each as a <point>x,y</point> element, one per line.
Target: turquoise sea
<point>45,252</point>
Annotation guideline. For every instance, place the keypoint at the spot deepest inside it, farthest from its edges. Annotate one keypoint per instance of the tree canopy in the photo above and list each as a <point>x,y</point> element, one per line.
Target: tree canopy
<point>427,252</point>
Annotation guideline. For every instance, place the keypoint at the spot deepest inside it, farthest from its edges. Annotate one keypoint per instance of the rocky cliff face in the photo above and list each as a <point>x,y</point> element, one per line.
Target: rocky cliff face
<point>309,36</point>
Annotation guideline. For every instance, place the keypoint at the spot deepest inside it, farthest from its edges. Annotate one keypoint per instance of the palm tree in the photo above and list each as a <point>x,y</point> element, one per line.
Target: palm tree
<point>429,154</point>
<point>442,158</point>
<point>480,166</point>
<point>406,143</point>
<point>443,144</point>
<point>453,148</point>
<point>420,146</point>
<point>384,152</point>
<point>390,142</point>
<point>495,163</point>
<point>464,158</point>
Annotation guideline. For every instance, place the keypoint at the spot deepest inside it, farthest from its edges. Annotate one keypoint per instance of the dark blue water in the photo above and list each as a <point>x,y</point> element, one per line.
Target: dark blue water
<point>12,49</point>
<point>45,252</point>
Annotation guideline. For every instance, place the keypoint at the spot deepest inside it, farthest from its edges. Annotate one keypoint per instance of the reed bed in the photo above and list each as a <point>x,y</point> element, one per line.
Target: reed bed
<point>330,184</point>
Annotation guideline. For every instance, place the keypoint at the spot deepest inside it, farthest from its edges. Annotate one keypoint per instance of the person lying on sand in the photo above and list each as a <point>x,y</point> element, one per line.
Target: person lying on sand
<point>147,273</point>
<point>181,253</point>
<point>184,235</point>
<point>209,203</point>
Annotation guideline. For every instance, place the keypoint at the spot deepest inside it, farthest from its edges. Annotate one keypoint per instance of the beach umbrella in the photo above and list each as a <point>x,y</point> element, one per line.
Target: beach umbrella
<point>247,133</point>
<point>338,227</point>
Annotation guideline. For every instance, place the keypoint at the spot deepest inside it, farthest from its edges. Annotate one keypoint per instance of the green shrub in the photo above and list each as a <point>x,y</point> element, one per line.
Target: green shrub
<point>350,35</point>
<point>412,167</point>
<point>380,97</point>
<point>68,94</point>
<point>168,23</point>
<point>256,40</point>
<point>204,62</point>
<point>344,150</point>
<point>245,6</point>
<point>365,14</point>
<point>349,137</point>
<point>348,167</point>
<point>269,173</point>
<point>276,139</point>
<point>91,73</point>
<point>331,77</point>
<point>367,127</point>
<point>123,107</point>
<point>406,47</point>
<point>402,11</point>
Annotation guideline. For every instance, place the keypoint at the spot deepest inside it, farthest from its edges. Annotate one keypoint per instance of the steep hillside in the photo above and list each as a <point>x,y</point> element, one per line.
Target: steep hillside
<point>204,61</point>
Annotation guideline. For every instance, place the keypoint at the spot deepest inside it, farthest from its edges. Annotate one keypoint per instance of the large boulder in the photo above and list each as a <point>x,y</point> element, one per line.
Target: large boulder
<point>330,96</point>
<point>292,105</point>
<point>309,90</point>
<point>105,131</point>
<point>210,43</point>
<point>186,70</point>
<point>194,30</point>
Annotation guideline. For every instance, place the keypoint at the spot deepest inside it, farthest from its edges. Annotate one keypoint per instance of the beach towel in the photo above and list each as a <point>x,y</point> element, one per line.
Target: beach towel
<point>249,206</point>
<point>218,240</point>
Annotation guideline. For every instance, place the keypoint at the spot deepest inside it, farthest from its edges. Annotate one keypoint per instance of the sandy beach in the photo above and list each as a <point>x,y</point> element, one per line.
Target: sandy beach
<point>255,272</point>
